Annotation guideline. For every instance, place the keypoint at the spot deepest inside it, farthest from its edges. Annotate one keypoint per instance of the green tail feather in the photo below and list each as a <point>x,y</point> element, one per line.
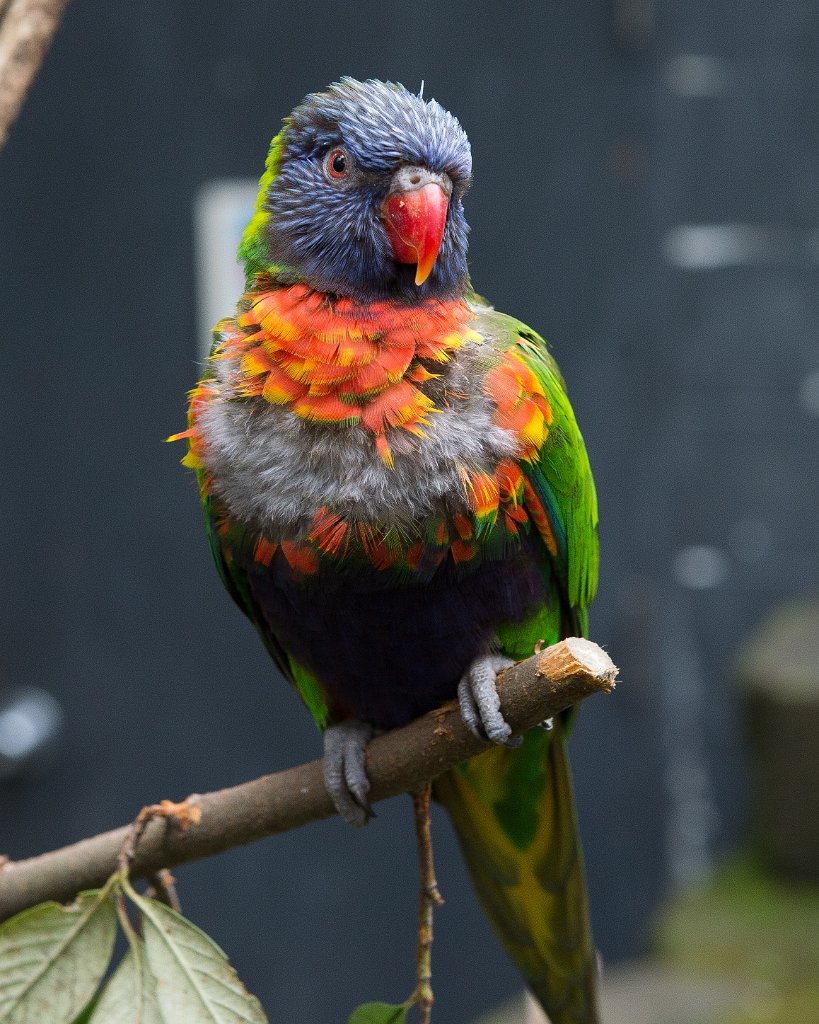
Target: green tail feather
<point>515,817</point>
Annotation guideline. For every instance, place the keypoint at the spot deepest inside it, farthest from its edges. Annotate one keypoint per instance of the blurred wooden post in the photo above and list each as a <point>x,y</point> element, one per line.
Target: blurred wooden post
<point>778,672</point>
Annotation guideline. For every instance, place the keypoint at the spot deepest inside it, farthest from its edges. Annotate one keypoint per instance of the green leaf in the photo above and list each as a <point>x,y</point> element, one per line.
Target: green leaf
<point>130,995</point>
<point>194,982</point>
<point>52,958</point>
<point>379,1013</point>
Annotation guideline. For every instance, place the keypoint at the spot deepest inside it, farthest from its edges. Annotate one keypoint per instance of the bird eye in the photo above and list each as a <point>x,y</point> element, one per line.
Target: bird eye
<point>337,163</point>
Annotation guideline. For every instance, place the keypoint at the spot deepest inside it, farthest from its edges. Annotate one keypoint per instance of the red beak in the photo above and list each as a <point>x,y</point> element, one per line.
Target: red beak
<point>415,219</point>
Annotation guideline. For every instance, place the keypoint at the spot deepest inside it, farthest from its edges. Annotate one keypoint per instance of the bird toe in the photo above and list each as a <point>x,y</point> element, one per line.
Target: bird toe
<point>345,770</point>
<point>480,704</point>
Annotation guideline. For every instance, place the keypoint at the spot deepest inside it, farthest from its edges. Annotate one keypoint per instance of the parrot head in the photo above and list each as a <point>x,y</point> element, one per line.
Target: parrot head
<point>362,194</point>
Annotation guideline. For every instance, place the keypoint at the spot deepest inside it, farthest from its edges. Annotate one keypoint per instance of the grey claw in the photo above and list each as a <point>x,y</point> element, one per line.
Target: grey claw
<point>355,773</point>
<point>480,704</point>
<point>469,709</point>
<point>345,771</point>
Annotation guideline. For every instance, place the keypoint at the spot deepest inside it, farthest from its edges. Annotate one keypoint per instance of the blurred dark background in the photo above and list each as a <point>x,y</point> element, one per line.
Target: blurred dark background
<point>645,196</point>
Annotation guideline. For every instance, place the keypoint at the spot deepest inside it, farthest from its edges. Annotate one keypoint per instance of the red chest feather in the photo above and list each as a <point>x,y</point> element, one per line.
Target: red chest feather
<point>338,362</point>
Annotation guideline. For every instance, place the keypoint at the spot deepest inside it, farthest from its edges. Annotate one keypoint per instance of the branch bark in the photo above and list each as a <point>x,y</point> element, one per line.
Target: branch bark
<point>400,761</point>
<point>26,30</point>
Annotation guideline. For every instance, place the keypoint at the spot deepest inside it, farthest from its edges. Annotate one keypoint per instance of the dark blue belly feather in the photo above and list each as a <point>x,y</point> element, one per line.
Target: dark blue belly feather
<point>388,651</point>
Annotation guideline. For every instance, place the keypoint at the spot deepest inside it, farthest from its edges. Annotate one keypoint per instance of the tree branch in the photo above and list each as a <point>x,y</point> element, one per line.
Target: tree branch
<point>400,761</point>
<point>26,30</point>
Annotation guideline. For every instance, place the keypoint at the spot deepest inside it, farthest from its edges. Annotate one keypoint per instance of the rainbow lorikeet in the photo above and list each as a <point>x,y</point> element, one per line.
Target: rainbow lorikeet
<point>398,497</point>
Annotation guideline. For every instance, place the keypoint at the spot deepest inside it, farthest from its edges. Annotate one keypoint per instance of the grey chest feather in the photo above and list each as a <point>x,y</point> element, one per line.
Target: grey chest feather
<point>274,471</point>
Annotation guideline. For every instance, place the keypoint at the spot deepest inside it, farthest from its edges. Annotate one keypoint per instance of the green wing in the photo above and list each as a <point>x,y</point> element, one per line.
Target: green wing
<point>514,810</point>
<point>562,481</point>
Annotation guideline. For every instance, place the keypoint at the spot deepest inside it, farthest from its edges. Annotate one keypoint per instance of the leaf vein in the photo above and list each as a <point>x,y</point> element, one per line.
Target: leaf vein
<point>71,933</point>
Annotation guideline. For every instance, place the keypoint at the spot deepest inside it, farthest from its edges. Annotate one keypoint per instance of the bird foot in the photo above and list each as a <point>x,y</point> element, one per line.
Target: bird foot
<point>345,771</point>
<point>479,701</point>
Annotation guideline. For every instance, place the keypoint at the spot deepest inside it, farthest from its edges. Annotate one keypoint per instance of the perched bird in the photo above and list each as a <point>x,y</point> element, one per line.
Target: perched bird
<point>398,497</point>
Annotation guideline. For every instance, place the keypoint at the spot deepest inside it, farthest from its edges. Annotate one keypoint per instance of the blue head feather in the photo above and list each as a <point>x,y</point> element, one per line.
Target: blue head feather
<point>330,234</point>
